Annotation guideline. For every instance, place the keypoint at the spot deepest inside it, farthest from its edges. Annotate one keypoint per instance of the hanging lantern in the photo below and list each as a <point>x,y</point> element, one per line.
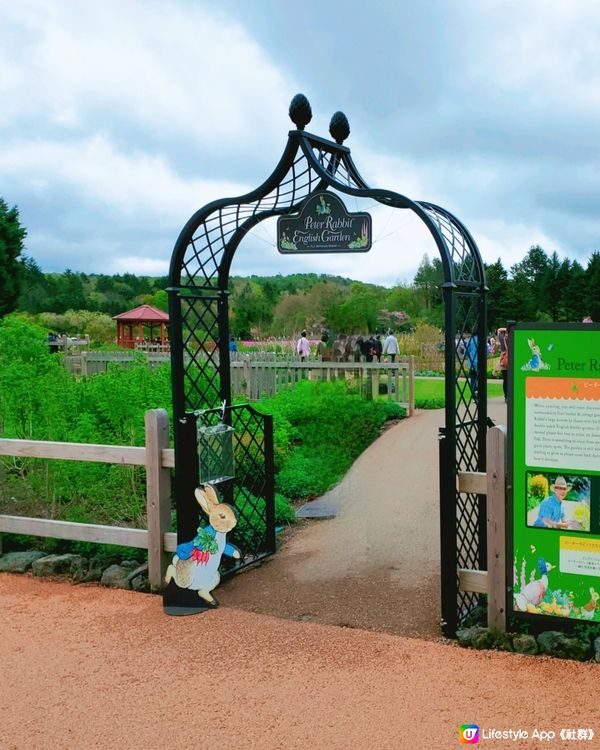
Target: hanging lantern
<point>215,453</point>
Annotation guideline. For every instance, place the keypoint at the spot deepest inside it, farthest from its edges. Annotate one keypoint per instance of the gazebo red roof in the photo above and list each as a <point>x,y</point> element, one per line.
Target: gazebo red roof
<point>143,314</point>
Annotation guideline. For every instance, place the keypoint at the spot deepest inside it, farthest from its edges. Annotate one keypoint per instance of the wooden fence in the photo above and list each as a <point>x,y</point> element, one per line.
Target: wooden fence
<point>255,378</point>
<point>492,484</point>
<point>92,362</point>
<point>256,375</point>
<point>158,459</point>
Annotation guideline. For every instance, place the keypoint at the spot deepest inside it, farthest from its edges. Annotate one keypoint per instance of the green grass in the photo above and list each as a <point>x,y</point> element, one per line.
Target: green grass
<point>429,388</point>
<point>429,392</point>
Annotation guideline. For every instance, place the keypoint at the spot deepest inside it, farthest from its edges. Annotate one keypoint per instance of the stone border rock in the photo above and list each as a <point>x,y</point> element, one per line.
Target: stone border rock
<point>550,642</point>
<point>129,574</point>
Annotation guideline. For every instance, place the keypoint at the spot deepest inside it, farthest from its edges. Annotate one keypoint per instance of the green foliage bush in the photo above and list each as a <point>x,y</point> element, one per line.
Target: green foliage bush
<point>319,430</point>
<point>40,400</point>
<point>325,428</point>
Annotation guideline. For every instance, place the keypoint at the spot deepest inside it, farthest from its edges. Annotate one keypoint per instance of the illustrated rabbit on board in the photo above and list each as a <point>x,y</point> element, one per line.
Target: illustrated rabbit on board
<point>536,362</point>
<point>196,564</point>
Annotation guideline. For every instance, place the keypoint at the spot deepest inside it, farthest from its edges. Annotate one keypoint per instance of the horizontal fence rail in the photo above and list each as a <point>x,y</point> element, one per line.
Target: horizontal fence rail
<point>492,484</point>
<point>91,363</point>
<point>158,459</point>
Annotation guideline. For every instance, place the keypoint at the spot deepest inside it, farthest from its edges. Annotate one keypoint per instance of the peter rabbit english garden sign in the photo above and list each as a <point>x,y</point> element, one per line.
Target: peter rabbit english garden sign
<point>554,434</point>
<point>323,225</point>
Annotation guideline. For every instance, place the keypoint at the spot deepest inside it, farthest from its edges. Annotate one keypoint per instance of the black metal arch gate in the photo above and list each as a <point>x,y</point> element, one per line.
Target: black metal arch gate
<point>199,330</point>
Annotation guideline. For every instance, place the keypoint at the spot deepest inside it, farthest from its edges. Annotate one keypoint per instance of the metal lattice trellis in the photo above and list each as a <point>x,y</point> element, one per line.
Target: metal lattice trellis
<point>198,306</point>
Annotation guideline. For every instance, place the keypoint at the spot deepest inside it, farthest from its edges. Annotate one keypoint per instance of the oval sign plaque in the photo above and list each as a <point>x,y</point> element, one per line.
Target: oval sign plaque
<point>324,226</point>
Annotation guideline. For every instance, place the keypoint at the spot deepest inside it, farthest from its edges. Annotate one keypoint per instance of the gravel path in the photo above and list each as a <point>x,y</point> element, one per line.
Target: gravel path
<point>87,668</point>
<point>376,565</point>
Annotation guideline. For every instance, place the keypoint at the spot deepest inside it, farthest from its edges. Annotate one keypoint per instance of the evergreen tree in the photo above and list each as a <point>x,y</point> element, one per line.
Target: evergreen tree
<point>69,294</point>
<point>552,287</point>
<point>429,279</point>
<point>12,235</point>
<point>592,292</point>
<point>33,295</point>
<point>497,282</point>
<point>575,294</point>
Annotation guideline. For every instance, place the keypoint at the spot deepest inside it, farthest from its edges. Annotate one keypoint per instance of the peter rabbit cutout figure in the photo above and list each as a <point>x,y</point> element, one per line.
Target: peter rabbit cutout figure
<point>196,564</point>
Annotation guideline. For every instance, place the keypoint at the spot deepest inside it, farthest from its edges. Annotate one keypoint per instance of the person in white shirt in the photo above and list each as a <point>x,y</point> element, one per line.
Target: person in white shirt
<point>303,347</point>
<point>390,346</point>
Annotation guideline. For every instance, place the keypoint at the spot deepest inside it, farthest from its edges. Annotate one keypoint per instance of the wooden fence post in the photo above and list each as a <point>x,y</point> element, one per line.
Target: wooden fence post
<point>374,383</point>
<point>411,385</point>
<point>496,532</point>
<point>158,494</point>
<point>246,375</point>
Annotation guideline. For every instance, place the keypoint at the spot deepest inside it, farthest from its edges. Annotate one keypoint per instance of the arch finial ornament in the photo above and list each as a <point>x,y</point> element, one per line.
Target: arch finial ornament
<point>300,111</point>
<point>339,127</point>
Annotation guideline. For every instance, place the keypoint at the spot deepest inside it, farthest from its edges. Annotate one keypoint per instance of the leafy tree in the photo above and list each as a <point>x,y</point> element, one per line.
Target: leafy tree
<point>359,312</point>
<point>160,300</point>
<point>323,300</point>
<point>291,313</point>
<point>67,292</point>
<point>250,310</point>
<point>12,235</point>
<point>404,298</point>
<point>428,280</point>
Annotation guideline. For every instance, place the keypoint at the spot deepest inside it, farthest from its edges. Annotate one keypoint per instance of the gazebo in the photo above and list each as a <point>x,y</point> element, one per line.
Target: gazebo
<point>131,324</point>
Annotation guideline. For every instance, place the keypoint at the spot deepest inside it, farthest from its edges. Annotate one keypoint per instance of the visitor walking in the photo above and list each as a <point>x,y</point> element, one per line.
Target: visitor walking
<point>390,346</point>
<point>472,357</point>
<point>324,350</point>
<point>377,348</point>
<point>303,347</point>
<point>503,361</point>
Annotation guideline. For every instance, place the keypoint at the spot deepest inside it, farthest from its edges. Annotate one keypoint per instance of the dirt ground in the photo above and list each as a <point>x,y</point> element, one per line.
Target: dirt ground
<point>308,650</point>
<point>86,668</point>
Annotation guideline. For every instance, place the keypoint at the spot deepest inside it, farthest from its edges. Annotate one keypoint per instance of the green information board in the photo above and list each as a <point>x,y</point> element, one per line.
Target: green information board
<point>554,463</point>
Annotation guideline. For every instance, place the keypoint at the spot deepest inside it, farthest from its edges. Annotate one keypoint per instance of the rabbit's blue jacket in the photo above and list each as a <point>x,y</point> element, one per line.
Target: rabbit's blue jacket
<point>184,550</point>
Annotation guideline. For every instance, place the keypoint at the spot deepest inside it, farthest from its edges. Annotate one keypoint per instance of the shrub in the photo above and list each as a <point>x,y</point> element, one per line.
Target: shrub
<point>320,428</point>
<point>326,430</point>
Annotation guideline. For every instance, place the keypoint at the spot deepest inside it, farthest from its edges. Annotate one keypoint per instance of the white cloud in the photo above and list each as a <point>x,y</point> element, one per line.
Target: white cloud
<point>545,50</point>
<point>179,69</point>
<point>143,266</point>
<point>120,119</point>
<point>510,242</point>
<point>134,184</point>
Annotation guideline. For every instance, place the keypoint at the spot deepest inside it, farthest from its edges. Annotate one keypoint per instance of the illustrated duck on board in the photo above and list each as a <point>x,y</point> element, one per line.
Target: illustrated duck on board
<point>532,594</point>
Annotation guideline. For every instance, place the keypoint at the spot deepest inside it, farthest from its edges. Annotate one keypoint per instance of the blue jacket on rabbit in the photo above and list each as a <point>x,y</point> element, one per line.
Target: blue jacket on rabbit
<point>185,550</point>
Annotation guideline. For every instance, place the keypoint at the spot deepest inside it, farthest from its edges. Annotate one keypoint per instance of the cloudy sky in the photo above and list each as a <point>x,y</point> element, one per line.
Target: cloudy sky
<point>121,118</point>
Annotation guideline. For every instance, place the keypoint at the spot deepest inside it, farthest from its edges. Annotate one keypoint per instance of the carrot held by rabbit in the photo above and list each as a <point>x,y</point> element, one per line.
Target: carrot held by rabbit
<point>195,564</point>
